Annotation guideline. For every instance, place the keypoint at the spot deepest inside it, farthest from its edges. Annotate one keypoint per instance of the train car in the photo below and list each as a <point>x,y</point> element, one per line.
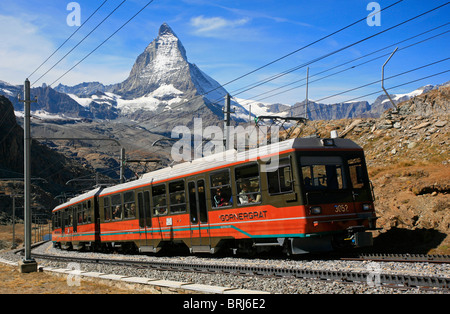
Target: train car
<point>75,223</point>
<point>301,195</point>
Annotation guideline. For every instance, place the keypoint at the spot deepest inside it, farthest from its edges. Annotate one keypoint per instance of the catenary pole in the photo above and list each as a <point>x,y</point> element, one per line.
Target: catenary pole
<point>28,263</point>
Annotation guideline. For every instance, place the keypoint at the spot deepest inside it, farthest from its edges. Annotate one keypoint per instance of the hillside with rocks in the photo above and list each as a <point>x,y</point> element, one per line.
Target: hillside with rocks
<point>50,170</point>
<point>408,159</point>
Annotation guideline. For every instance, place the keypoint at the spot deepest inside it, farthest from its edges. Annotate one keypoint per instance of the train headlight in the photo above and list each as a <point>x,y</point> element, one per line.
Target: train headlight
<point>328,142</point>
<point>366,207</point>
<point>316,210</point>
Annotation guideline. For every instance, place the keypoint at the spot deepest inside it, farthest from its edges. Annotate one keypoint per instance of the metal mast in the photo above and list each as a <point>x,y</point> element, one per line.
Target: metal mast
<point>28,264</point>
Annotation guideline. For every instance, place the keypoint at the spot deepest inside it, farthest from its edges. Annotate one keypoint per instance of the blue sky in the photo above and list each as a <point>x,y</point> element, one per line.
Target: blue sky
<point>228,38</point>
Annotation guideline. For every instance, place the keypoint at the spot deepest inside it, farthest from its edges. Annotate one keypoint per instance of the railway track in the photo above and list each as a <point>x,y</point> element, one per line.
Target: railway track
<point>373,277</point>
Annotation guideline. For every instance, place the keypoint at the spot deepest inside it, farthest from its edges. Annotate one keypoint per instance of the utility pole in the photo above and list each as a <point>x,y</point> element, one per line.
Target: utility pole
<point>122,165</point>
<point>382,82</point>
<point>227,113</point>
<point>14,221</point>
<point>27,265</point>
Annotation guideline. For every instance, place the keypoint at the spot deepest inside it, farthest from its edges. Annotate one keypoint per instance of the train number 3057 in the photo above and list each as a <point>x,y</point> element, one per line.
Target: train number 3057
<point>341,208</point>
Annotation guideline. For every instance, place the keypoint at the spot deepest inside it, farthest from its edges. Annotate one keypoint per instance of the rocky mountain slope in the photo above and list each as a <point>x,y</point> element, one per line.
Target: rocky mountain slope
<point>408,158</point>
<point>55,168</point>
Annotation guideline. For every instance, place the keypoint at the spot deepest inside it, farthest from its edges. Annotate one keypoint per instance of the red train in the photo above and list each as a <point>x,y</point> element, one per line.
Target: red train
<point>314,195</point>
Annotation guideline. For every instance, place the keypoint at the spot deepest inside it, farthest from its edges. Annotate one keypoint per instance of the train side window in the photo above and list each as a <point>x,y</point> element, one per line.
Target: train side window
<point>355,167</point>
<point>177,197</point>
<point>107,208</point>
<point>159,200</point>
<point>116,206</point>
<point>280,179</point>
<point>78,212</point>
<point>247,184</point>
<point>221,189</point>
<point>129,205</point>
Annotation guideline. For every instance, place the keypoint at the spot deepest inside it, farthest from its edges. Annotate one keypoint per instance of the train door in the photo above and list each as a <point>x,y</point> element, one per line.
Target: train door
<point>145,219</point>
<point>200,235</point>
<point>95,215</point>
<point>69,225</point>
<point>62,216</point>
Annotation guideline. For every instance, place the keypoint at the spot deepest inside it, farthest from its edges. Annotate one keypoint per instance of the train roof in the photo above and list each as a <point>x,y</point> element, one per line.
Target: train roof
<point>78,198</point>
<point>219,160</point>
<point>231,157</point>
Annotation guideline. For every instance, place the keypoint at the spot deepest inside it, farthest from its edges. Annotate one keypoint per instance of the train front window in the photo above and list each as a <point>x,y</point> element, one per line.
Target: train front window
<point>355,167</point>
<point>322,173</point>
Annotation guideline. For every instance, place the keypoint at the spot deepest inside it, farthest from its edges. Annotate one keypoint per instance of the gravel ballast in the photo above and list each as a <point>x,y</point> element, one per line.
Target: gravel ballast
<point>285,285</point>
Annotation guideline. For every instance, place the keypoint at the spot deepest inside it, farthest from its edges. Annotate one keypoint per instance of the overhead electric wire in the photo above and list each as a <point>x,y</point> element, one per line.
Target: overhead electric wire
<point>387,78</point>
<point>80,42</point>
<point>76,31</point>
<point>274,77</point>
<point>101,44</point>
<point>381,91</point>
<point>346,69</point>
<point>365,85</point>
<point>306,46</point>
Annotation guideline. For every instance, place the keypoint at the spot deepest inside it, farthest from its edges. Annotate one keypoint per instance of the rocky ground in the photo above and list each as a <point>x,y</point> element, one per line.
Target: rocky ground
<point>408,160</point>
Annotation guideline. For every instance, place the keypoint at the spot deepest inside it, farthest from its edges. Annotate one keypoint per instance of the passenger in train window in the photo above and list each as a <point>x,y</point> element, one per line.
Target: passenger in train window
<point>221,189</point>
<point>249,196</point>
<point>133,210</point>
<point>117,213</point>
<point>247,184</point>
<point>160,211</point>
<point>219,200</point>
<point>244,196</point>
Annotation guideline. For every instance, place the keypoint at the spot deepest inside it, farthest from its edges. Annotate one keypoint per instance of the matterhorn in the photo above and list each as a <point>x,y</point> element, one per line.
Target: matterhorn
<point>163,89</point>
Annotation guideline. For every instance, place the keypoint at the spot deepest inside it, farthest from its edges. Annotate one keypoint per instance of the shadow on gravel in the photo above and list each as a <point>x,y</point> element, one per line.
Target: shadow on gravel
<point>397,240</point>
